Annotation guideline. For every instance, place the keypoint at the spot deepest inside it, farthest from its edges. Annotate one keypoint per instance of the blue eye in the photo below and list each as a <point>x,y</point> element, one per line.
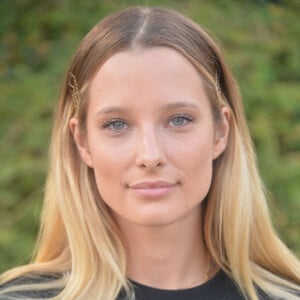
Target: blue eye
<point>180,120</point>
<point>115,125</point>
<point>118,125</point>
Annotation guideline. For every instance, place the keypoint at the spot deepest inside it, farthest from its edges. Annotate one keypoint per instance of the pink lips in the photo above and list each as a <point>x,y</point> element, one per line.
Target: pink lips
<point>153,189</point>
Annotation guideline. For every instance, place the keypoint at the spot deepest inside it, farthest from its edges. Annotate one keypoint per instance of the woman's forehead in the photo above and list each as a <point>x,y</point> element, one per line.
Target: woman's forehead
<point>131,68</point>
<point>153,80</point>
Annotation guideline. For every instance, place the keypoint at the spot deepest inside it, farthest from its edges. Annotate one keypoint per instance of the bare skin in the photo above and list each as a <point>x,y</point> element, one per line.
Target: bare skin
<point>175,260</point>
<point>151,139</point>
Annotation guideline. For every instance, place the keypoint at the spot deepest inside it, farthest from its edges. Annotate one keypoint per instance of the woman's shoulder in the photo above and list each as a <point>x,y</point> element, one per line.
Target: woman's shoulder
<point>33,286</point>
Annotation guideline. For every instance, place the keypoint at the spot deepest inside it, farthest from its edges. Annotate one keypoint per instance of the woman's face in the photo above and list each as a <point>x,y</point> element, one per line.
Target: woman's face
<point>150,137</point>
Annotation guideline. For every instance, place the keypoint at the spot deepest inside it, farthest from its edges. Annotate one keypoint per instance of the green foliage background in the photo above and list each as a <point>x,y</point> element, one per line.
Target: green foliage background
<point>261,43</point>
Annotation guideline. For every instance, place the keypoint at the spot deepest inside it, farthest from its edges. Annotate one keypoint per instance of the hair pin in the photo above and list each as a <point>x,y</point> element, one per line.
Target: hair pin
<point>217,85</point>
<point>217,82</point>
<point>75,92</point>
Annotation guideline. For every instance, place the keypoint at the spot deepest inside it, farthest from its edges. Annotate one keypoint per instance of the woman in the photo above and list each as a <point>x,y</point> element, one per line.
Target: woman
<point>153,190</point>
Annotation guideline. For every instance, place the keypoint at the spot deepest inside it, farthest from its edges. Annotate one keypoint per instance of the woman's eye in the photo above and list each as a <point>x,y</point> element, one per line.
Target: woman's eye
<point>115,125</point>
<point>179,121</point>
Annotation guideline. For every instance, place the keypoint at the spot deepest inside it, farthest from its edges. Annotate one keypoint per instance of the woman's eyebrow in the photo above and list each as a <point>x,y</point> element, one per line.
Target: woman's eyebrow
<point>180,104</point>
<point>111,109</point>
<point>120,109</point>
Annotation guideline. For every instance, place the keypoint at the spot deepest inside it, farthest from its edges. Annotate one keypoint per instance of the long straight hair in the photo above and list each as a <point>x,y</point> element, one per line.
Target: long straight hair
<point>78,236</point>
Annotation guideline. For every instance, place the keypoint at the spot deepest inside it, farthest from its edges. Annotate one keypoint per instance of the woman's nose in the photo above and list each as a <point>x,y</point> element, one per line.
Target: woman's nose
<point>150,153</point>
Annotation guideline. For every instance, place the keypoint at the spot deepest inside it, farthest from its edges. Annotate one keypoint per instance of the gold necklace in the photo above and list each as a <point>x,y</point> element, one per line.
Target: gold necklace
<point>206,274</point>
<point>199,280</point>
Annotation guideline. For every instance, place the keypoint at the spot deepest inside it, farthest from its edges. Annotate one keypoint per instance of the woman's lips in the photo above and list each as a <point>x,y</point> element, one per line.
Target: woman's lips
<point>153,189</point>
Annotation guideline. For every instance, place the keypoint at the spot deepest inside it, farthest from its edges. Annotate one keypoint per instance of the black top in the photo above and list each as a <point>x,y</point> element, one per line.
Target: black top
<point>220,287</point>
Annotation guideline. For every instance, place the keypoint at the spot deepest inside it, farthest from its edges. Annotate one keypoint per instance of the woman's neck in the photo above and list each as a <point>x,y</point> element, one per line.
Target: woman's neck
<point>167,257</point>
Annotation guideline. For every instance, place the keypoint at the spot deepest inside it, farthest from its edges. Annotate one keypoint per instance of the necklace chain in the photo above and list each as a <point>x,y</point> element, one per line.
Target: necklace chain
<point>204,276</point>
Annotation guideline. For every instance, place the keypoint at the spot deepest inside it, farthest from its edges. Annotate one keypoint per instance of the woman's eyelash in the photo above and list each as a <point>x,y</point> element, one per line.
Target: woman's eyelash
<point>114,124</point>
<point>180,120</point>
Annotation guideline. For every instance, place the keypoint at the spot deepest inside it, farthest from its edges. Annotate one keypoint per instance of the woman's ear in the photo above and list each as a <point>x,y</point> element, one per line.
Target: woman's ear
<point>222,132</point>
<point>80,139</point>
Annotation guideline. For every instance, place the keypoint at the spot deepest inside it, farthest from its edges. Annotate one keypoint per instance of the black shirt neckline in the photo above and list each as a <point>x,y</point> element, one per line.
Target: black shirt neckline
<point>215,288</point>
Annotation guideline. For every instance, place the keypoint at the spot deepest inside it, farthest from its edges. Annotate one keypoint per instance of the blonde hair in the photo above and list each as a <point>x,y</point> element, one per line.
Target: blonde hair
<point>79,238</point>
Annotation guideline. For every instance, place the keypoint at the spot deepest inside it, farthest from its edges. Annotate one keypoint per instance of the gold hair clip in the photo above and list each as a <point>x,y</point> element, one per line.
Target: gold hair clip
<point>217,85</point>
<point>75,92</point>
<point>217,82</point>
